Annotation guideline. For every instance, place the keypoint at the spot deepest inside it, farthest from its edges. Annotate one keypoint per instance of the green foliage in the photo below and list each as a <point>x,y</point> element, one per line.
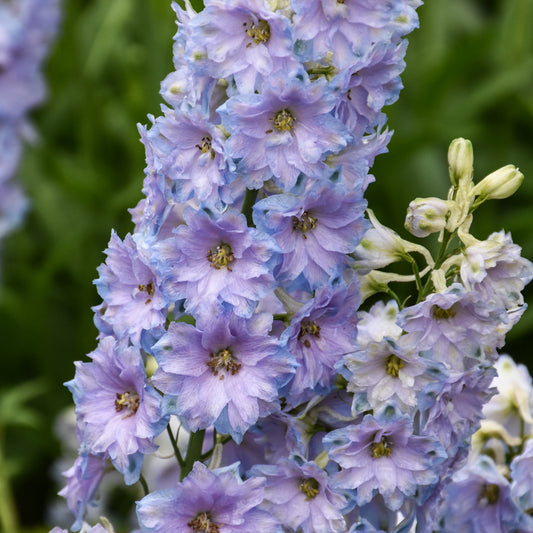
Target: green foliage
<point>469,74</point>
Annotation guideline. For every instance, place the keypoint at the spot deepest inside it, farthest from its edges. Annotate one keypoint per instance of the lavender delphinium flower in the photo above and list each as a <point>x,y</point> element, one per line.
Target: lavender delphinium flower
<point>83,480</point>
<point>347,31</point>
<point>210,262</point>
<point>226,371</point>
<point>245,39</point>
<point>374,81</point>
<point>285,130</point>
<point>299,495</point>
<point>321,331</point>
<point>118,412</point>
<point>451,407</point>
<point>387,372</point>
<point>314,231</point>
<point>457,325</point>
<point>381,455</point>
<point>479,501</point>
<point>214,501</point>
<point>132,300</point>
<point>188,156</point>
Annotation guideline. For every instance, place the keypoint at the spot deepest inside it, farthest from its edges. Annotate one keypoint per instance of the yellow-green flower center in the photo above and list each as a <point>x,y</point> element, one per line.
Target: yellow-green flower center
<point>224,361</point>
<point>149,288</point>
<point>305,223</point>
<point>381,448</point>
<point>283,120</point>
<point>203,522</point>
<point>221,257</point>
<point>127,402</point>
<point>394,364</point>
<point>308,327</point>
<point>439,313</point>
<point>259,33</point>
<point>490,493</point>
<point>206,146</point>
<point>310,487</point>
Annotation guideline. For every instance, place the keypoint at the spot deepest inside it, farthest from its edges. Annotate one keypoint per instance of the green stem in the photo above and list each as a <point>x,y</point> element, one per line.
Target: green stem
<point>447,237</point>
<point>247,205</point>
<point>194,452</point>
<point>177,453</point>
<point>142,481</point>
<point>391,293</point>
<point>416,272</point>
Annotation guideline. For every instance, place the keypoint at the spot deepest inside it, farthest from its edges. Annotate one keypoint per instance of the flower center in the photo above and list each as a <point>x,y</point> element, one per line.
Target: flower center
<point>283,120</point>
<point>206,146</point>
<point>381,448</point>
<point>223,360</point>
<point>128,402</point>
<point>149,288</point>
<point>221,257</point>
<point>304,223</point>
<point>490,493</point>
<point>259,33</point>
<point>310,487</point>
<point>394,363</point>
<point>308,327</point>
<point>439,313</point>
<point>203,522</point>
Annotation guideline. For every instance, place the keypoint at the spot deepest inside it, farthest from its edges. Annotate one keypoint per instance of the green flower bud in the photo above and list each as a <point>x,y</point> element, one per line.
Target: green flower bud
<point>427,215</point>
<point>460,161</point>
<point>502,183</point>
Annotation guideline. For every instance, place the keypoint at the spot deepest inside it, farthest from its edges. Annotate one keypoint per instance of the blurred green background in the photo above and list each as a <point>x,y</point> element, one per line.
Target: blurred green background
<point>469,74</point>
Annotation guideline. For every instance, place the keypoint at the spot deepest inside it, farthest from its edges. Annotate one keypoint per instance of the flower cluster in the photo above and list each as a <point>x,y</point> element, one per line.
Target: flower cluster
<point>234,306</point>
<point>27,28</point>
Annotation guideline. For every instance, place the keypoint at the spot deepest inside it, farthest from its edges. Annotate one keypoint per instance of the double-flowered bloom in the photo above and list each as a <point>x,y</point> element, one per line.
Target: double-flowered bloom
<point>381,455</point>
<point>118,412</point>
<point>225,371</point>
<point>210,501</point>
<point>211,262</point>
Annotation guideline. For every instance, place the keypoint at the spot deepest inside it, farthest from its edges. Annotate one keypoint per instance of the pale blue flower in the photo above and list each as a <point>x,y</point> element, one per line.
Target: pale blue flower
<point>226,371</point>
<point>118,412</point>
<point>214,501</point>
<point>381,455</point>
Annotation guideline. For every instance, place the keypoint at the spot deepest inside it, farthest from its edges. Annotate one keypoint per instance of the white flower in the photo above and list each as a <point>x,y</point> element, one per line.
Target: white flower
<point>512,407</point>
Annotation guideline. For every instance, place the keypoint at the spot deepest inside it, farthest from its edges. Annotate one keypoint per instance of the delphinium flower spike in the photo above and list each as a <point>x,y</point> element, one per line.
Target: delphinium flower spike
<point>237,294</point>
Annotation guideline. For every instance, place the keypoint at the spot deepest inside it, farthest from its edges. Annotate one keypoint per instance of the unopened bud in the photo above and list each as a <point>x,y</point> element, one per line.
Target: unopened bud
<point>502,183</point>
<point>460,161</point>
<point>427,215</point>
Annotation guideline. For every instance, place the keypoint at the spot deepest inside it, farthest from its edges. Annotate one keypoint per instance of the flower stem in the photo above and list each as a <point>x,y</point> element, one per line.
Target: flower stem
<point>247,205</point>
<point>142,481</point>
<point>194,452</point>
<point>175,447</point>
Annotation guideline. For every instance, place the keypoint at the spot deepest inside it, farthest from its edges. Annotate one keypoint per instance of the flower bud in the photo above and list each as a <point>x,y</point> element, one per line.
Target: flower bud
<point>460,160</point>
<point>426,216</point>
<point>381,246</point>
<point>502,183</point>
